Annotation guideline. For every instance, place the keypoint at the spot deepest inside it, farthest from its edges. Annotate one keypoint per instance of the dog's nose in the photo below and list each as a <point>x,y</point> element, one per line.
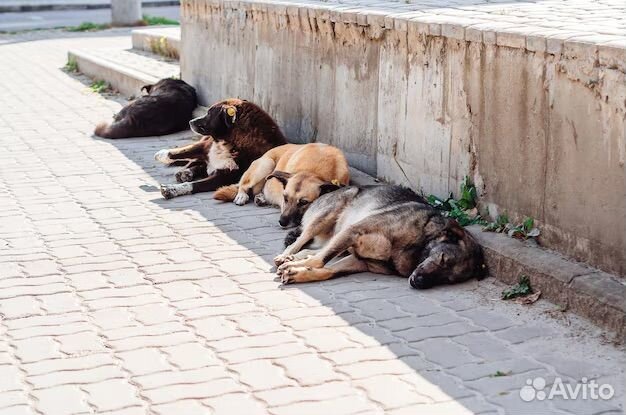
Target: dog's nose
<point>420,282</point>
<point>283,221</point>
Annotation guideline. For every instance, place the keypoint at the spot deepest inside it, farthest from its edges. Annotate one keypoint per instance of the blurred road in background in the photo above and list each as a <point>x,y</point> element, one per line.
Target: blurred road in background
<point>15,22</point>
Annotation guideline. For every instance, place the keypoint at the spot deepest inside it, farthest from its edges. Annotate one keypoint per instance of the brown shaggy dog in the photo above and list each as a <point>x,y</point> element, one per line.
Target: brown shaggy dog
<point>166,109</point>
<point>237,132</point>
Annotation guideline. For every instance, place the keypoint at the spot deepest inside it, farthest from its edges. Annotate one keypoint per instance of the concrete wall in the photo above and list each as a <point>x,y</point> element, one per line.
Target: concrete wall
<point>539,126</point>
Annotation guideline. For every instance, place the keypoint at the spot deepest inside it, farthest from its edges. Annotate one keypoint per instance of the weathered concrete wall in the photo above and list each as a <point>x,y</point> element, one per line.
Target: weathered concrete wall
<point>540,131</point>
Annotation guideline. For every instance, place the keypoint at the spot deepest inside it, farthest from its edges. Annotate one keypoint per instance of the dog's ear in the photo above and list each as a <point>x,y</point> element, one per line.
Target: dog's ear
<point>147,88</point>
<point>229,112</point>
<point>281,176</point>
<point>328,187</point>
<point>454,230</point>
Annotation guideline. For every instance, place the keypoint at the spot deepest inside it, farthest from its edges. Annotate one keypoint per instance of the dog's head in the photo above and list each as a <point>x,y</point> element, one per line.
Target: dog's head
<point>220,119</point>
<point>300,190</point>
<point>169,84</point>
<point>453,256</point>
<point>159,86</point>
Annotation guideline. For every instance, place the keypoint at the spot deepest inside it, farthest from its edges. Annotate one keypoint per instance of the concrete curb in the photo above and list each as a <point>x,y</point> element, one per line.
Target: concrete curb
<point>589,292</point>
<point>164,41</point>
<point>19,8</point>
<point>126,79</point>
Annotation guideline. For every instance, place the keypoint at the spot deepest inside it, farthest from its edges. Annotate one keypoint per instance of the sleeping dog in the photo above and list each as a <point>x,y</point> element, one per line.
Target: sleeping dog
<point>291,177</point>
<point>236,132</point>
<point>166,109</point>
<point>383,229</point>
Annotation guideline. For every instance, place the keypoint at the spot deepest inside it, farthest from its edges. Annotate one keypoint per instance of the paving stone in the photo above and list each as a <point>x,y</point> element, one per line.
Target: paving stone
<point>308,369</point>
<point>171,393</point>
<point>235,403</point>
<point>182,407</point>
<point>190,356</point>
<point>36,349</point>
<point>76,377</point>
<point>62,400</point>
<point>9,378</point>
<point>101,394</point>
<point>144,361</point>
<point>262,375</point>
<point>339,406</point>
<point>157,380</point>
<point>391,392</point>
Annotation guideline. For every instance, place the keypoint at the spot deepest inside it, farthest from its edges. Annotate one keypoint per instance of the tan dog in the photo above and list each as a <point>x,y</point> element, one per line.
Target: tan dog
<point>301,173</point>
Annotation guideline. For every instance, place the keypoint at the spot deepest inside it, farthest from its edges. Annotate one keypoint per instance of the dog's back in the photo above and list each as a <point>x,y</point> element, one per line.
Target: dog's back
<point>166,109</point>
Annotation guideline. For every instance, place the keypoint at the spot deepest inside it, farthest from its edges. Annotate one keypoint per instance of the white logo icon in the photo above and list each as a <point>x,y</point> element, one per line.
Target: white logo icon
<point>585,389</point>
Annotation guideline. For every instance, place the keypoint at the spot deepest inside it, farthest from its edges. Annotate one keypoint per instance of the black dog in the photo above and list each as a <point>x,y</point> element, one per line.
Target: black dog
<point>166,109</point>
<point>236,132</point>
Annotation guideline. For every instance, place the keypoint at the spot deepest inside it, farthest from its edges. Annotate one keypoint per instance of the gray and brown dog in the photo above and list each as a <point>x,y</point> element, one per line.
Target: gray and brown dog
<point>383,229</point>
<point>236,132</point>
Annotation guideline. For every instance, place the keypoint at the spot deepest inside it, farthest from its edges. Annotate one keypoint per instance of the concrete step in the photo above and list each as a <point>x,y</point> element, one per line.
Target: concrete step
<point>125,70</point>
<point>162,40</point>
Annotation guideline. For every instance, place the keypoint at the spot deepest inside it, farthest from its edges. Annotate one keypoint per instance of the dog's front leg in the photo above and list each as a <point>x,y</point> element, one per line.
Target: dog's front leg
<point>345,266</point>
<point>192,151</point>
<point>337,244</point>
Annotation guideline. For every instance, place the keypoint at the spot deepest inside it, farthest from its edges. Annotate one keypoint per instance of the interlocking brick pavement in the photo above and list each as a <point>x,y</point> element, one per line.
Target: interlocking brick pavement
<point>115,301</point>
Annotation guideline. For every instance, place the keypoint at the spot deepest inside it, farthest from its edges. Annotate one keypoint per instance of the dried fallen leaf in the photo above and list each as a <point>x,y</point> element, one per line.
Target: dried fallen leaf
<point>528,299</point>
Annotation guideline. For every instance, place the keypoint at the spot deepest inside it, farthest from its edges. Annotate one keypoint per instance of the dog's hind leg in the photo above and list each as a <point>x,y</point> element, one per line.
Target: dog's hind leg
<point>253,179</point>
<point>192,151</point>
<point>217,179</point>
<point>345,266</point>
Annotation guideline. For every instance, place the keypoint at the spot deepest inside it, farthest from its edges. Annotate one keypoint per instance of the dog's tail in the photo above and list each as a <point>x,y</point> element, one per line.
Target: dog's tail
<point>115,130</point>
<point>226,193</point>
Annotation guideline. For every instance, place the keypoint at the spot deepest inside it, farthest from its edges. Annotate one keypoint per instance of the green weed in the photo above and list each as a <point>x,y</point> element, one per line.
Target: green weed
<point>87,27</point>
<point>99,87</point>
<point>520,289</point>
<point>462,209</point>
<point>523,230</point>
<point>157,20</point>
<point>71,65</point>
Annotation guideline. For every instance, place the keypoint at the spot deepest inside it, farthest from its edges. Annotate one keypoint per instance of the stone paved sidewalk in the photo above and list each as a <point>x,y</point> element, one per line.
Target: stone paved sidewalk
<point>114,301</point>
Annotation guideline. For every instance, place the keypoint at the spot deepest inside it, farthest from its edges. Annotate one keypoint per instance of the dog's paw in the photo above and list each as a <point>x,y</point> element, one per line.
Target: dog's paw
<point>293,274</point>
<point>170,191</point>
<point>282,258</point>
<point>260,200</point>
<point>163,156</point>
<point>184,175</point>
<point>241,199</point>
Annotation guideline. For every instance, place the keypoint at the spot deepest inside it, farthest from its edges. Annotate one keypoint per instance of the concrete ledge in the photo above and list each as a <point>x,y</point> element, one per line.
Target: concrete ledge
<point>164,41</point>
<point>126,71</point>
<point>594,294</point>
